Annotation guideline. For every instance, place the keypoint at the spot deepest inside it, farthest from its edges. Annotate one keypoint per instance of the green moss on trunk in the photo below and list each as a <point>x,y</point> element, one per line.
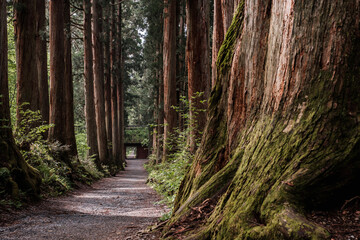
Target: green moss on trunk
<point>16,173</point>
<point>284,162</point>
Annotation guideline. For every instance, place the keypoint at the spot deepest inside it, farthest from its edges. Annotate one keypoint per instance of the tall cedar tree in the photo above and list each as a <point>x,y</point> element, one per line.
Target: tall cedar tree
<point>107,73</point>
<point>120,88</point>
<point>116,152</point>
<point>169,61</point>
<point>57,73</point>
<point>20,174</point>
<point>198,64</point>
<point>41,60</point>
<point>27,76</point>
<point>98,64</point>
<point>90,116</point>
<point>181,82</point>
<point>69,98</point>
<point>282,135</point>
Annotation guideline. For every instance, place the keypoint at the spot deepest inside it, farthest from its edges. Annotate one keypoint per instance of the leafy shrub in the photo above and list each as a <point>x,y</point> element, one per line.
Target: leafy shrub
<point>166,177</point>
<point>57,176</point>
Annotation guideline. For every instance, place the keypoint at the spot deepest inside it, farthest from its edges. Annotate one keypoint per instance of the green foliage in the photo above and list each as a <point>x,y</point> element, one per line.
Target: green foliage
<point>40,154</point>
<point>137,135</point>
<point>166,177</point>
<point>11,65</point>
<point>87,162</point>
<point>57,176</point>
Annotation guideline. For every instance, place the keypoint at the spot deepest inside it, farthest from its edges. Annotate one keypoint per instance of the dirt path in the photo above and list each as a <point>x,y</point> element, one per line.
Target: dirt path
<point>113,208</point>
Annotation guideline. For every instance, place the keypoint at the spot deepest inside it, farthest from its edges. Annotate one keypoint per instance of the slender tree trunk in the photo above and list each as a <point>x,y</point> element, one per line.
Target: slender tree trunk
<point>57,73</point>
<point>16,173</point>
<point>223,14</point>
<point>41,61</point>
<point>180,57</point>
<point>107,75</point>
<point>120,88</point>
<point>98,68</point>
<point>27,76</point>
<point>160,123</point>
<point>90,116</point>
<point>114,86</point>
<point>282,137</point>
<point>68,79</point>
<point>169,58</point>
<point>198,62</point>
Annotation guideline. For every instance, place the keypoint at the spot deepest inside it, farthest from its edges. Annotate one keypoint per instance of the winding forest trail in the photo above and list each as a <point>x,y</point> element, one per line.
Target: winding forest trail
<point>113,208</point>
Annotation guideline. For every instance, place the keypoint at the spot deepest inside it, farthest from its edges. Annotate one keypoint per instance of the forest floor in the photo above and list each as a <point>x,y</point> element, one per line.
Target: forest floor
<point>120,207</point>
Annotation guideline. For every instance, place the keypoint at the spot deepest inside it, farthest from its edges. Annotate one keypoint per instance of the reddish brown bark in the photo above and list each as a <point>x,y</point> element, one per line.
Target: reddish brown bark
<point>180,58</point>
<point>223,14</point>
<point>20,174</point>
<point>114,85</point>
<point>41,61</point>
<point>70,139</point>
<point>107,74</point>
<point>169,58</point>
<point>282,138</point>
<point>27,76</point>
<point>198,63</point>
<point>98,68</point>
<point>90,116</point>
<point>120,88</point>
<point>4,88</point>
<point>57,70</point>
<point>160,120</point>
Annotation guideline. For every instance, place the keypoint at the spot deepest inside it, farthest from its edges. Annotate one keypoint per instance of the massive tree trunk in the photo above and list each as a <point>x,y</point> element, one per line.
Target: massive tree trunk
<point>57,73</point>
<point>41,61</point>
<point>120,88</point>
<point>15,172</point>
<point>69,95</point>
<point>90,116</point>
<point>198,63</point>
<point>116,152</point>
<point>223,14</point>
<point>169,58</point>
<point>27,76</point>
<point>283,134</point>
<point>98,68</point>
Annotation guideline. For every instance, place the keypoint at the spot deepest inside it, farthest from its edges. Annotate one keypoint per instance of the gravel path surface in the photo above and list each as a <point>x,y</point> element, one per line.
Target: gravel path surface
<point>113,208</point>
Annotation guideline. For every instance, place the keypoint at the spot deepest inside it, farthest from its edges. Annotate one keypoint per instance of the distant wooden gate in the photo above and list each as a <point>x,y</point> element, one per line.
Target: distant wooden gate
<point>142,152</point>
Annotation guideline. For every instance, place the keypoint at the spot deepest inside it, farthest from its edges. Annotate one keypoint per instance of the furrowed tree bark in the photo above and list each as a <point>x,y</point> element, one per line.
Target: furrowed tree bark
<point>198,64</point>
<point>107,74</point>
<point>283,133</point>
<point>57,73</point>
<point>90,116</point>
<point>114,85</point>
<point>169,58</point>
<point>27,76</point>
<point>98,68</point>
<point>41,61</point>
<point>223,14</point>
<point>69,95</point>
<point>120,88</point>
<point>16,173</point>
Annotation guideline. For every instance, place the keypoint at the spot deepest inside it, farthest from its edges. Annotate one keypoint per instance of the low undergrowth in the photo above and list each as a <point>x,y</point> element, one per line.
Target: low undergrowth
<point>59,174</point>
<point>166,177</point>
